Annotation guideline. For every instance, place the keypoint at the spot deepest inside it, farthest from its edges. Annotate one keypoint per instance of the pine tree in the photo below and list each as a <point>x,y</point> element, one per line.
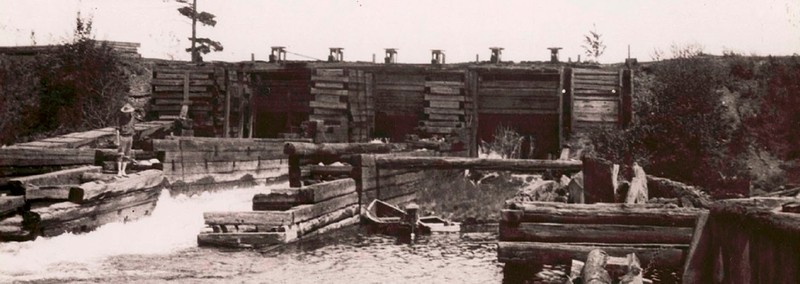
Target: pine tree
<point>199,45</point>
<point>593,46</point>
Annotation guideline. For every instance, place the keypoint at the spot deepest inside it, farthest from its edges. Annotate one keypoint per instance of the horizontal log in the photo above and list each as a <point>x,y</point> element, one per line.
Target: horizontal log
<point>596,117</point>
<point>29,157</point>
<point>67,176</point>
<point>165,75</point>
<point>594,233</point>
<point>582,105</point>
<point>9,204</point>
<point>621,214</point>
<point>49,192</point>
<point>331,170</point>
<point>330,79</point>
<point>330,72</point>
<point>255,177</point>
<point>315,104</point>
<point>453,98</point>
<point>444,111</point>
<point>126,212</point>
<point>180,82</point>
<point>666,256</point>
<point>241,239</point>
<point>477,164</point>
<point>304,229</point>
<point>310,211</point>
<point>597,72</point>
<point>445,104</point>
<point>223,156</point>
<point>761,213</point>
<point>336,149</point>
<point>306,195</point>
<point>501,93</point>
<point>316,91</point>
<point>445,90</point>
<point>260,218</point>
<point>408,88</point>
<point>445,117</point>
<point>529,102</point>
<point>327,85</point>
<point>550,84</point>
<point>134,182</point>
<point>211,167</point>
<point>437,130</point>
<point>451,124</point>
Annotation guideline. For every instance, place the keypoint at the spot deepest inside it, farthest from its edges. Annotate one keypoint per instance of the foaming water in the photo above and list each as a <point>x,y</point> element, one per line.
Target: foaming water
<point>173,226</point>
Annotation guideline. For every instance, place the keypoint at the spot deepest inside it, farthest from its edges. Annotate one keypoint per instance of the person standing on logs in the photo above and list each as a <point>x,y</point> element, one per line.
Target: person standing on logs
<point>125,132</point>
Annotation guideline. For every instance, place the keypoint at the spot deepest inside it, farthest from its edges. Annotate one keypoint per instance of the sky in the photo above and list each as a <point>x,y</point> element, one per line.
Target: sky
<point>464,29</point>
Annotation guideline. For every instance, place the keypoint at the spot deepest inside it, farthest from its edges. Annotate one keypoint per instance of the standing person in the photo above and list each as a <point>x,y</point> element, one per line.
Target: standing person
<point>125,133</point>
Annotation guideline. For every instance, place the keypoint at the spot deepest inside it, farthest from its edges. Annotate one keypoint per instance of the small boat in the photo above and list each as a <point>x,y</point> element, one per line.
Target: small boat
<point>385,218</point>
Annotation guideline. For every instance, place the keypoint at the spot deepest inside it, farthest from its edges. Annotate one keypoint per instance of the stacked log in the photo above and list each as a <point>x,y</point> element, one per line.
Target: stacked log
<point>544,232</point>
<point>91,204</point>
<point>195,85</point>
<point>446,102</point>
<point>193,164</point>
<point>330,104</point>
<point>393,185</point>
<point>596,98</point>
<point>289,214</point>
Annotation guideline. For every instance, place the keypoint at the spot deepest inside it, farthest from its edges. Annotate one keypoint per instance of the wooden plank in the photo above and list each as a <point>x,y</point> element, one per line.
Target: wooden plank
<point>441,111</point>
<point>451,124</point>
<point>476,164</point>
<point>594,233</point>
<point>187,167</point>
<point>241,239</point>
<point>330,79</point>
<point>247,218</point>
<point>10,204</point>
<point>307,212</point>
<point>330,72</point>
<point>179,75</point>
<point>195,89</point>
<point>667,256</point>
<point>445,90</point>
<point>316,91</point>
<point>48,192</point>
<point>445,104</point>
<point>328,221</point>
<point>219,145</point>
<point>582,105</point>
<point>607,213</point>
<point>547,85</point>
<point>326,85</point>
<point>596,117</point>
<point>306,195</point>
<point>496,93</point>
<point>180,82</point>
<point>329,98</point>
<point>27,157</point>
<point>454,84</point>
<point>458,98</point>
<point>445,117</point>
<point>52,178</point>
<point>611,82</point>
<point>407,88</point>
<point>581,71</point>
<point>134,182</point>
<point>314,104</point>
<point>539,103</point>
<point>336,149</point>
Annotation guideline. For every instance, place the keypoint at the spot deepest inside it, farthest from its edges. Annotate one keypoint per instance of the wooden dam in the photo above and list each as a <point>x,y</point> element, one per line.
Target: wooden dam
<point>309,125</point>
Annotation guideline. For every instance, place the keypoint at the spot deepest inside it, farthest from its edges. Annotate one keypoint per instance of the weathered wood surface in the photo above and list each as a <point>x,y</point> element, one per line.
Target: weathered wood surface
<point>241,239</point>
<point>594,268</point>
<point>264,218</point>
<point>10,204</point>
<point>335,171</point>
<point>476,164</point>
<point>27,157</point>
<point>594,233</point>
<point>69,176</point>
<point>134,182</point>
<point>308,149</point>
<point>48,192</point>
<point>638,190</point>
<point>699,260</point>
<point>290,197</point>
<point>307,212</point>
<point>622,214</point>
<point>307,227</point>
<point>562,253</point>
<point>86,223</point>
<point>598,180</point>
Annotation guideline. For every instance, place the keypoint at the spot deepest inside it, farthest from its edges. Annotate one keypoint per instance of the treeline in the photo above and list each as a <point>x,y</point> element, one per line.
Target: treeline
<point>713,121</point>
<point>77,86</point>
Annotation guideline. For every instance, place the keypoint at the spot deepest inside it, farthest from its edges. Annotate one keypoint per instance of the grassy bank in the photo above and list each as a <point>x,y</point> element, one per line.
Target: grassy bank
<point>451,195</point>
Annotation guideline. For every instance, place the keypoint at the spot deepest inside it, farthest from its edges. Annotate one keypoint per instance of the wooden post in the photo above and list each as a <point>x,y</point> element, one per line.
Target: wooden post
<point>226,127</point>
<point>294,171</point>
<point>240,94</point>
<point>597,180</point>
<point>560,93</point>
<point>473,91</point>
<point>627,98</point>
<point>252,116</point>
<point>568,102</point>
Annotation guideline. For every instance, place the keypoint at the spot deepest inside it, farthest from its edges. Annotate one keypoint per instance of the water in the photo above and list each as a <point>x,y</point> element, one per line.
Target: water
<point>163,247</point>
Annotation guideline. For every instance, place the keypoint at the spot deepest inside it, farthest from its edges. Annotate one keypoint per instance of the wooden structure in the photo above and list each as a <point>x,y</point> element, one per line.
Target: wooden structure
<point>312,210</point>
<point>195,164</point>
<point>750,240</point>
<point>556,233</point>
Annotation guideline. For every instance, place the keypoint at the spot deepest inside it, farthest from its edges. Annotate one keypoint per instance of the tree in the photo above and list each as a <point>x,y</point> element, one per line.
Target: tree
<point>199,45</point>
<point>593,46</point>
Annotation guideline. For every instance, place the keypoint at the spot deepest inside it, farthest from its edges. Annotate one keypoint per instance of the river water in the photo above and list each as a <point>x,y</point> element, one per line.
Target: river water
<point>162,247</point>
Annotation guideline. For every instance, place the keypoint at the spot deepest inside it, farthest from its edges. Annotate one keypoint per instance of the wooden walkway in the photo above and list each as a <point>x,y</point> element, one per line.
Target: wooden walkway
<point>92,137</point>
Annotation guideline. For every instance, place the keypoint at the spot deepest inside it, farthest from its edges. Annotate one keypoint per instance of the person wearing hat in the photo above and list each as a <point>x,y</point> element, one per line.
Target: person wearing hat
<point>125,133</point>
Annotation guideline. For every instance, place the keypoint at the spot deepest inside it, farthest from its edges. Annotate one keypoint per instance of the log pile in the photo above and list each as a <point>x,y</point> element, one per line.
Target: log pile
<point>200,86</point>
<point>196,164</point>
<point>285,216</point>
<point>446,104</point>
<point>42,209</point>
<point>544,232</point>
<point>330,104</point>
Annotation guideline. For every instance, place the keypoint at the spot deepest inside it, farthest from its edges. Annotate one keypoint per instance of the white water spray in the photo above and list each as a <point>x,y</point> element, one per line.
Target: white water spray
<point>173,226</point>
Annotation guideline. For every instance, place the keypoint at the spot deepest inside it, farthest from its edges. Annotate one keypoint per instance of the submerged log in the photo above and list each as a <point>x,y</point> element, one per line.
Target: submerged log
<point>99,189</point>
<point>241,240</point>
<point>307,149</point>
<point>259,218</point>
<point>10,204</point>
<point>447,163</point>
<point>608,213</point>
<point>594,271</point>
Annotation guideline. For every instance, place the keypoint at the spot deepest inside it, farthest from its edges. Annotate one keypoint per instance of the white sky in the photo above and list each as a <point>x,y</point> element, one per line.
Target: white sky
<point>462,28</point>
